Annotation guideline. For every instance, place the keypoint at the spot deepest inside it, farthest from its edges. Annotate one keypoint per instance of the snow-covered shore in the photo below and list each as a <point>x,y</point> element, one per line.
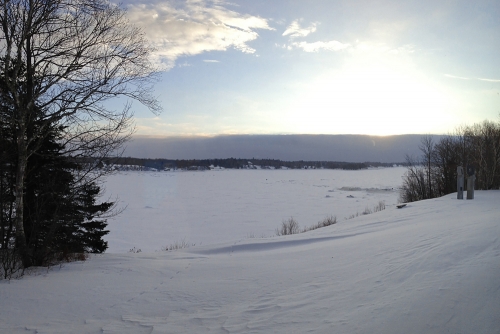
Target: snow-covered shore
<point>431,267</point>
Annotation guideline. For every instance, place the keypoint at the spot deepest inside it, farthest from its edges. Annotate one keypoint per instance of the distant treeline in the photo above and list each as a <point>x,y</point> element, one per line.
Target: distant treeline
<point>162,164</point>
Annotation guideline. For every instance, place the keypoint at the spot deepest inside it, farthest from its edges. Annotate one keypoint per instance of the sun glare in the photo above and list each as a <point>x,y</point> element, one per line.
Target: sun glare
<point>374,100</point>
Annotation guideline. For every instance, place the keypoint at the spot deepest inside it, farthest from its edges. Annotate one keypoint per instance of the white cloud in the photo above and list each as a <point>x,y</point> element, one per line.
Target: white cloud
<point>405,49</point>
<point>192,27</point>
<point>294,30</point>
<point>455,77</point>
<point>211,61</point>
<point>317,46</point>
<point>378,48</point>
<point>488,80</point>
<point>463,78</point>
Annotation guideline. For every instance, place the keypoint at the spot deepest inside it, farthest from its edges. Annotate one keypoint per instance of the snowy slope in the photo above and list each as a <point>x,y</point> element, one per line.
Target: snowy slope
<point>432,267</point>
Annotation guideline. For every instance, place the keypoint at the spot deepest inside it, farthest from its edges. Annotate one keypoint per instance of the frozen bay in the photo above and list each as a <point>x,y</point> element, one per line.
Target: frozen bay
<point>209,207</point>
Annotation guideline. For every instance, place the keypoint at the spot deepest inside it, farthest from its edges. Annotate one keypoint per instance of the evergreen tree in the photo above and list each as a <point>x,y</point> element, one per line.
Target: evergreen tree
<point>60,63</point>
<point>62,213</point>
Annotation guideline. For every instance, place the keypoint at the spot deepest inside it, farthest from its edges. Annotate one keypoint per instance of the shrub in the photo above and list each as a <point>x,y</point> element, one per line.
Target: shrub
<point>367,211</point>
<point>330,220</point>
<point>288,227</point>
<point>10,264</point>
<point>353,216</point>
<point>178,245</point>
<point>379,207</point>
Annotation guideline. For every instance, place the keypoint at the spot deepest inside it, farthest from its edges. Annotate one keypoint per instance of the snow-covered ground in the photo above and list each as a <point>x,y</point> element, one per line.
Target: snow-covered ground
<point>431,267</point>
<point>201,208</point>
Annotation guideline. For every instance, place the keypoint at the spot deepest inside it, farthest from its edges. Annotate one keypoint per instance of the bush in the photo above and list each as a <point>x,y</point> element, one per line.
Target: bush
<point>353,216</point>
<point>379,207</point>
<point>291,226</point>
<point>10,264</point>
<point>288,227</point>
<point>330,220</point>
<point>367,211</point>
<point>178,245</point>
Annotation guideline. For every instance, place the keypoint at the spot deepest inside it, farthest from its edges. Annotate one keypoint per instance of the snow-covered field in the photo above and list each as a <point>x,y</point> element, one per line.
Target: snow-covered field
<point>431,267</point>
<point>201,208</point>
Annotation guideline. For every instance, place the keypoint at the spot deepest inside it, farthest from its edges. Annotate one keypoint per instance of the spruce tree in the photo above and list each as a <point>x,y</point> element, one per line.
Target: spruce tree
<point>62,213</point>
<point>66,60</point>
<point>61,209</point>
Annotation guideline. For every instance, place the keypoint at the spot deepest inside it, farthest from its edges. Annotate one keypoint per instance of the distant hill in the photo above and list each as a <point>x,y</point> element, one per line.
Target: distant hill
<point>350,148</point>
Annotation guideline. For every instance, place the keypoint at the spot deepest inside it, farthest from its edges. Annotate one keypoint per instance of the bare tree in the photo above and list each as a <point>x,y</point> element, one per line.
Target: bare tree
<point>446,158</point>
<point>427,148</point>
<point>61,62</point>
<point>414,186</point>
<point>435,174</point>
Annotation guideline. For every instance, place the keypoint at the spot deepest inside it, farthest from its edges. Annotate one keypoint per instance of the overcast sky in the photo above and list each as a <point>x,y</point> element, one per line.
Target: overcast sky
<point>320,66</point>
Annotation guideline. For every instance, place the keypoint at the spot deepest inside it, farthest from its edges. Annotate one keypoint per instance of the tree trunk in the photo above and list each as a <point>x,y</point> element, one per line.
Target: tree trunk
<point>22,162</point>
